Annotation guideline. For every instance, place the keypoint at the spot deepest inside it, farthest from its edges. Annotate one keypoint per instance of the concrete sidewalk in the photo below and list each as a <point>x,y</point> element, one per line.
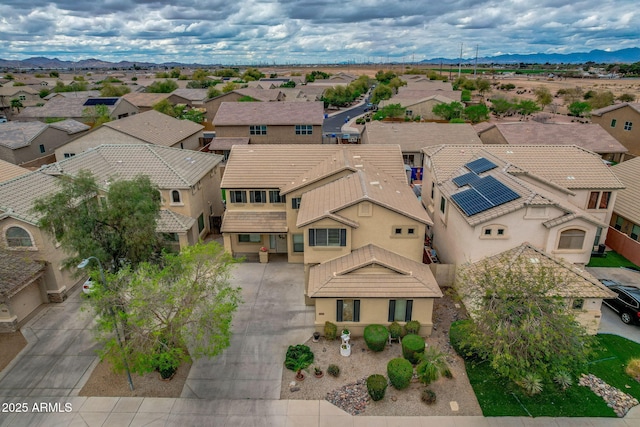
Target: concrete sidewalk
<point>133,411</point>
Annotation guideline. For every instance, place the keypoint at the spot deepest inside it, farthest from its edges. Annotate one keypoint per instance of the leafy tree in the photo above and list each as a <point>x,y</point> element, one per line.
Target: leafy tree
<point>229,86</point>
<point>193,114</point>
<point>109,90</point>
<point>521,323</point>
<point>483,86</point>
<point>571,95</point>
<point>119,230</point>
<point>626,97</point>
<point>165,107</point>
<point>252,74</point>
<point>527,107</point>
<point>579,108</point>
<point>43,93</point>
<point>391,110</point>
<point>16,104</point>
<point>476,113</point>
<point>54,74</point>
<point>212,92</point>
<point>380,93</point>
<point>247,98</point>
<point>200,74</point>
<point>175,73</point>
<point>543,96</point>
<point>433,364</point>
<point>449,111</point>
<point>395,83</point>
<point>501,106</point>
<point>226,72</point>
<point>385,77</point>
<point>601,99</point>
<point>339,96</point>
<point>97,114</point>
<point>164,86</point>
<point>316,74</point>
<point>185,301</point>
<point>9,76</point>
<point>290,83</point>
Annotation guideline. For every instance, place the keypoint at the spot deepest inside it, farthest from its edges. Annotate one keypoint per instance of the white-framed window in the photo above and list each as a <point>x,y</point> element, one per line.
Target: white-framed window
<point>400,310</point>
<point>258,196</point>
<point>327,237</point>
<point>571,239</point>
<point>408,159</point>
<point>176,197</point>
<point>295,202</point>
<point>258,130</point>
<point>348,310</point>
<point>628,125</point>
<point>22,97</point>
<point>18,237</point>
<point>304,129</point>
<point>238,196</point>
<point>249,238</point>
<point>599,200</point>
<point>275,197</point>
<point>298,242</point>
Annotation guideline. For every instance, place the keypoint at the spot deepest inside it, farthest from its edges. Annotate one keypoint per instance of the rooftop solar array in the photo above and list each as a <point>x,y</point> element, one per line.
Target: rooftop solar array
<point>485,193</point>
<point>480,165</point>
<point>100,101</point>
<point>465,179</point>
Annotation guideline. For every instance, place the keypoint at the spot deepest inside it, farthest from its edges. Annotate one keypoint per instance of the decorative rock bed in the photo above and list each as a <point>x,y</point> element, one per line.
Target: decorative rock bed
<point>352,398</point>
<point>617,400</point>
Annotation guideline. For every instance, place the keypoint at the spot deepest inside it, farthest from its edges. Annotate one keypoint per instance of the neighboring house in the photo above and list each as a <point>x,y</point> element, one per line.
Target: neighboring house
<point>81,94</point>
<point>252,94</point>
<point>78,109</point>
<point>9,171</point>
<point>582,291</point>
<point>23,142</point>
<point>189,182</point>
<point>145,101</point>
<point>223,146</point>
<point>588,136</point>
<point>624,231</point>
<point>413,137</point>
<point>150,127</point>
<point>194,98</point>
<point>622,121</point>
<point>348,214</point>
<point>27,96</point>
<point>419,107</point>
<point>271,122</point>
<point>489,199</point>
<point>22,288</point>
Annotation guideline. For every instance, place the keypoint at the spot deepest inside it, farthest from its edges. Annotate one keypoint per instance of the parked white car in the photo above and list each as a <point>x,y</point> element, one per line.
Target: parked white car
<point>87,286</point>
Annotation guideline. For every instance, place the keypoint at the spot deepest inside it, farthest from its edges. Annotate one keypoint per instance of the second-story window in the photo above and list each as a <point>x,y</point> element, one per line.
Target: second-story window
<point>628,125</point>
<point>258,130</point>
<point>258,196</point>
<point>275,197</point>
<point>327,237</point>
<point>304,129</point>
<point>238,196</point>
<point>295,203</point>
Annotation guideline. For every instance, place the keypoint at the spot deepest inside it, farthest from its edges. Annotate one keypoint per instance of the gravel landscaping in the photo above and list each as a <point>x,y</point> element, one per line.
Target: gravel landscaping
<point>349,392</point>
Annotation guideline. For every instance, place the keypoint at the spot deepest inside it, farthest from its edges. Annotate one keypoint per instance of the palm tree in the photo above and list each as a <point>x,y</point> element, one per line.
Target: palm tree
<point>16,104</point>
<point>433,364</point>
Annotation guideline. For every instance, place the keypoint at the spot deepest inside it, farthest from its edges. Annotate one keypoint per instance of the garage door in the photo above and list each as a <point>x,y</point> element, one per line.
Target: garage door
<point>25,301</point>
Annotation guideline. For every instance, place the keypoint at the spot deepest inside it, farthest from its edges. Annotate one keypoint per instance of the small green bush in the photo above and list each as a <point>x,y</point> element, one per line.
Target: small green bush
<point>298,357</point>
<point>395,330</point>
<point>376,386</point>
<point>412,327</point>
<point>334,370</point>
<point>428,396</point>
<point>376,337</point>
<point>457,333</point>
<point>400,372</point>
<point>633,368</point>
<point>412,348</point>
<point>330,331</point>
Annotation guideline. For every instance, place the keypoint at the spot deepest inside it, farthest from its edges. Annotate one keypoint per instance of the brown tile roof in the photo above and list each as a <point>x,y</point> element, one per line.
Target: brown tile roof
<point>70,126</point>
<point>405,278</point>
<point>61,107</point>
<point>628,200</point>
<point>17,271</point>
<point>254,222</point>
<point>16,135</point>
<point>291,166</point>
<point>9,171</point>
<point>144,99</point>
<point>191,94</point>
<point>14,90</point>
<point>18,195</point>
<point>412,97</point>
<point>589,136</point>
<point>166,167</point>
<point>156,128</point>
<point>633,105</point>
<point>264,95</point>
<point>413,136</point>
<point>227,143</point>
<point>572,281</point>
<point>269,113</point>
<point>173,222</point>
<point>376,187</point>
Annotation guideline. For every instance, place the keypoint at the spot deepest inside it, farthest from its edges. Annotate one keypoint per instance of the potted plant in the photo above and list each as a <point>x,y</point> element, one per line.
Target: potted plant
<point>298,357</point>
<point>316,336</point>
<point>264,255</point>
<point>317,371</point>
<point>346,332</point>
<point>345,350</point>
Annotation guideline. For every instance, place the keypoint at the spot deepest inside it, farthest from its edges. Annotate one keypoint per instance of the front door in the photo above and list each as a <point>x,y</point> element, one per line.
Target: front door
<point>278,243</point>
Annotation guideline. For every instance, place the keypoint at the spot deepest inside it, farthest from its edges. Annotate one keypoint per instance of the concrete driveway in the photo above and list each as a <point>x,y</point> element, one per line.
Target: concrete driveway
<point>272,317</point>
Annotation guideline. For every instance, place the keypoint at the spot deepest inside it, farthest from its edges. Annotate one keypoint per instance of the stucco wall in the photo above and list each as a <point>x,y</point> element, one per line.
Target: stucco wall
<point>630,139</point>
<point>275,134</point>
<point>102,135</point>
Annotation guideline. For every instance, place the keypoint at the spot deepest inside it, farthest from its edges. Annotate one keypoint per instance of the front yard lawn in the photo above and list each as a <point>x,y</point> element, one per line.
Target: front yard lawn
<point>613,259</point>
<point>499,397</point>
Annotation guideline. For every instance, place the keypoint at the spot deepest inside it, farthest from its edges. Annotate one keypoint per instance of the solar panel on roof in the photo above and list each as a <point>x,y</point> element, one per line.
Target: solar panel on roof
<point>100,101</point>
<point>471,202</point>
<point>480,165</point>
<point>465,179</point>
<point>495,191</point>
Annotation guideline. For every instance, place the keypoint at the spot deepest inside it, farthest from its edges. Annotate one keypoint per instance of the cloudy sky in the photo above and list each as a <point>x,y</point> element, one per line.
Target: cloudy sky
<point>310,31</point>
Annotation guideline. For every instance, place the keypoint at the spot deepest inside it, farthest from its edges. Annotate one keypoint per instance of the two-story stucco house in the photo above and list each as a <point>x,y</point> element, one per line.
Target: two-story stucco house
<point>271,122</point>
<point>489,199</point>
<point>80,109</point>
<point>346,213</point>
<point>622,121</point>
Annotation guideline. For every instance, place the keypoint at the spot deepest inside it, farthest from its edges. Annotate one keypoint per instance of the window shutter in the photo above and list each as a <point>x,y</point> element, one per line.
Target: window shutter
<point>392,310</point>
<point>407,316</point>
<point>339,311</point>
<point>312,237</point>
<point>356,310</point>
<point>343,237</point>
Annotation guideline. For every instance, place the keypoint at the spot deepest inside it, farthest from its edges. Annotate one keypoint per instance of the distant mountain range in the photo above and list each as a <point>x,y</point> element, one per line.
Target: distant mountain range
<point>629,55</point>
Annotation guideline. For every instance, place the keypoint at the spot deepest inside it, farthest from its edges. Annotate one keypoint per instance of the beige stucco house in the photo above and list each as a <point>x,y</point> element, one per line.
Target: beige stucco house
<point>419,107</point>
<point>145,101</point>
<point>622,121</point>
<point>27,96</point>
<point>150,127</point>
<point>348,214</point>
<point>624,228</point>
<point>77,109</point>
<point>271,122</point>
<point>255,94</point>
<point>489,199</point>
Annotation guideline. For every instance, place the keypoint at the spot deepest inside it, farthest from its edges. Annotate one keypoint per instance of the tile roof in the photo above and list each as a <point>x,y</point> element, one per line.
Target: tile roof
<point>13,90</point>
<point>376,187</point>
<point>633,105</point>
<point>18,195</point>
<point>166,167</point>
<point>254,222</point>
<point>17,271</point>
<point>173,222</point>
<point>627,202</point>
<point>572,281</point>
<point>9,170</point>
<point>412,136</point>
<point>405,278</point>
<point>145,99</point>
<point>227,143</point>
<point>155,128</point>
<point>412,97</point>
<point>290,166</point>
<point>590,136</point>
<point>269,113</point>
<point>60,107</point>
<point>264,95</point>
<point>191,94</point>
<point>16,135</point>
<point>70,126</point>
<point>82,94</point>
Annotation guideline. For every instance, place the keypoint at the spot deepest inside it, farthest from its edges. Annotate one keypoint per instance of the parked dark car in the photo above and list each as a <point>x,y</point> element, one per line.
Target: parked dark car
<point>627,303</point>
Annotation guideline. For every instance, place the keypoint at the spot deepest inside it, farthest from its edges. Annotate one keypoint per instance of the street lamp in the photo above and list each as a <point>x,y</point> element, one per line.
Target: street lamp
<point>83,264</point>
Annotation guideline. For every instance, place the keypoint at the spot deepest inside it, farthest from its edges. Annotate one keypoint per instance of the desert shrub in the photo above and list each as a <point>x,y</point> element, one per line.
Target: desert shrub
<point>412,327</point>
<point>395,330</point>
<point>400,372</point>
<point>633,368</point>
<point>412,347</point>
<point>330,331</point>
<point>433,364</point>
<point>458,331</point>
<point>531,384</point>
<point>376,337</point>
<point>563,379</point>
<point>298,357</point>
<point>333,370</point>
<point>376,386</point>
<point>428,396</point>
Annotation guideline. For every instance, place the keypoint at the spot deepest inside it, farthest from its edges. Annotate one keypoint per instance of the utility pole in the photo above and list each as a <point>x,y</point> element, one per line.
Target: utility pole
<point>460,62</point>
<point>475,66</point>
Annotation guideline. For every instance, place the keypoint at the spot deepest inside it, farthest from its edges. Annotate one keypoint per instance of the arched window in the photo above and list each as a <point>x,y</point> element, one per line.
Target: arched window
<point>18,237</point>
<point>175,196</point>
<point>571,239</point>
